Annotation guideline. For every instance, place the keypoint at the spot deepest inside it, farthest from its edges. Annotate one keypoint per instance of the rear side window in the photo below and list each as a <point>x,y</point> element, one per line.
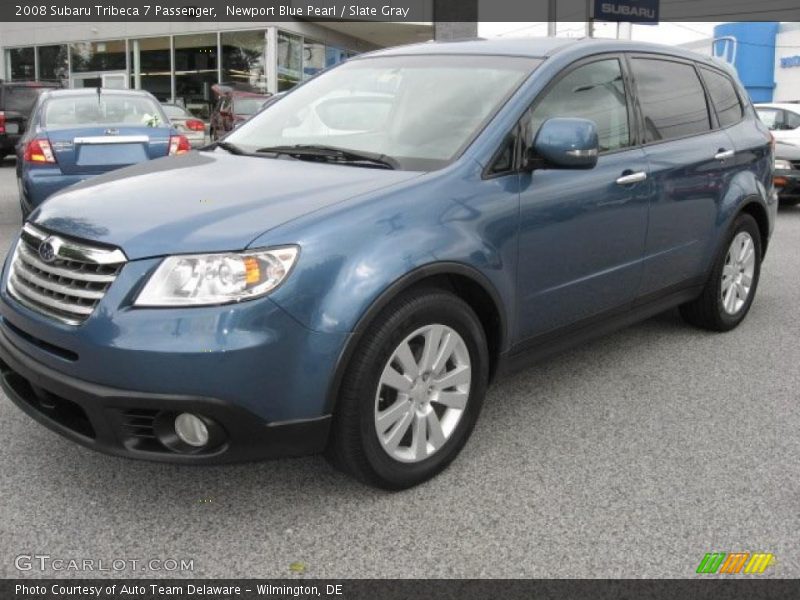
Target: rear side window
<point>672,99</point>
<point>595,91</point>
<point>723,95</point>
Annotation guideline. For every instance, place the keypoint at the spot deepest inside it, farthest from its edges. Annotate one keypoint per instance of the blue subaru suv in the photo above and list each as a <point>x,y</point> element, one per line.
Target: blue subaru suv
<point>348,271</point>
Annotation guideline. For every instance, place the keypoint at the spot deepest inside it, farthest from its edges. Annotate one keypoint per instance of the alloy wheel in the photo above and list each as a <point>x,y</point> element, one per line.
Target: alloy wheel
<point>423,393</point>
<point>738,272</point>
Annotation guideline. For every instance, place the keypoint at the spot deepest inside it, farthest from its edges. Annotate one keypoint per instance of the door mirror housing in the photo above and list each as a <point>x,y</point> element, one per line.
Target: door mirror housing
<point>564,143</point>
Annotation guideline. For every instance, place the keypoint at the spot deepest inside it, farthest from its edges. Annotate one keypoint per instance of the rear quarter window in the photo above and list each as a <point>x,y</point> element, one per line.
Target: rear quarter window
<point>723,95</point>
<point>672,99</point>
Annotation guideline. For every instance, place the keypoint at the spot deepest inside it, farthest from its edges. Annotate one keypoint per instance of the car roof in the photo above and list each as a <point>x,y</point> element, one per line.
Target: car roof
<point>542,48</point>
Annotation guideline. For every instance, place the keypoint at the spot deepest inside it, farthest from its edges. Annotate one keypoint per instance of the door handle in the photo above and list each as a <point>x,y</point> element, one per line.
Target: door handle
<point>723,154</point>
<point>632,178</point>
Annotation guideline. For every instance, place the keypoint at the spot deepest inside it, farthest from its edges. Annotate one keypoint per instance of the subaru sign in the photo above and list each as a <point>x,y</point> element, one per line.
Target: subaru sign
<point>634,11</point>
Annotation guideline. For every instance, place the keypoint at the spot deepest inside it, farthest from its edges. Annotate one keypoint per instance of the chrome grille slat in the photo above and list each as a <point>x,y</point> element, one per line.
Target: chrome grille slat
<point>21,270</point>
<point>33,261</point>
<point>32,294</point>
<point>68,287</point>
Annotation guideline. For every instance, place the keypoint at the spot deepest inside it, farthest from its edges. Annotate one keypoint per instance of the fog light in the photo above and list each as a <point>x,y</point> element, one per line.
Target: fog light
<point>191,430</point>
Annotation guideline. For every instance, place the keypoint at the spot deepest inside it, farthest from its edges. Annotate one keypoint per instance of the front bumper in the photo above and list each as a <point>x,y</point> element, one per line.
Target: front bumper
<point>264,378</point>
<point>137,425</point>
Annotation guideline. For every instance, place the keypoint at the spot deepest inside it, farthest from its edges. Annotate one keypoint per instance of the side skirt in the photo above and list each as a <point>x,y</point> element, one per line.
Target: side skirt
<point>542,346</point>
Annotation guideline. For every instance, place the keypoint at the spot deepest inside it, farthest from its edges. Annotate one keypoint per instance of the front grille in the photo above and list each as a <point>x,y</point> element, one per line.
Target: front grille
<point>69,285</point>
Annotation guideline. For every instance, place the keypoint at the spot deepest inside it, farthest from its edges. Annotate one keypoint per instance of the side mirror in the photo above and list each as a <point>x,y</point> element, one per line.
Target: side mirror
<point>564,143</point>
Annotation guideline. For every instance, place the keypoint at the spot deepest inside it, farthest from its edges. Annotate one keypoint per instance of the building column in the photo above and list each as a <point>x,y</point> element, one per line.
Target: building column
<point>443,31</point>
<point>271,62</point>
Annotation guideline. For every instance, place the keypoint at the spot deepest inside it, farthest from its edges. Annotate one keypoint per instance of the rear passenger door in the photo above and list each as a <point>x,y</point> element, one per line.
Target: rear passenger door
<point>689,163</point>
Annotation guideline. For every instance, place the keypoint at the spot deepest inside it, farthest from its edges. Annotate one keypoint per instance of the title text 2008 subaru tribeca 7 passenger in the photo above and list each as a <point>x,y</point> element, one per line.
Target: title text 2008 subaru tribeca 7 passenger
<point>349,270</point>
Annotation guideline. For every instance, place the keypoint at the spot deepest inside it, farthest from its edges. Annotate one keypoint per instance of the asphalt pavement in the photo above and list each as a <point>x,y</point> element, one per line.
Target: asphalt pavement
<point>632,456</point>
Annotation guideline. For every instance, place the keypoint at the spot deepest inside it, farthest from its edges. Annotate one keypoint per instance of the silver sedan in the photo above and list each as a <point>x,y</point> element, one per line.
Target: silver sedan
<point>193,128</point>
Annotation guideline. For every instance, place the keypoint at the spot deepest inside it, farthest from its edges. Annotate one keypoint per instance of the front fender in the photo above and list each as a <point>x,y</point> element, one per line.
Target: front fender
<point>352,253</point>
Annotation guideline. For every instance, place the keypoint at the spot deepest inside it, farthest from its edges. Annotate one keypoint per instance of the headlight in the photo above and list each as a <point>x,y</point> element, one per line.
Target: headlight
<point>782,165</point>
<point>199,279</point>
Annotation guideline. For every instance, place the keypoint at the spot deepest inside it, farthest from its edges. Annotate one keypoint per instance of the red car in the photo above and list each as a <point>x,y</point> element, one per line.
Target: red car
<point>233,108</point>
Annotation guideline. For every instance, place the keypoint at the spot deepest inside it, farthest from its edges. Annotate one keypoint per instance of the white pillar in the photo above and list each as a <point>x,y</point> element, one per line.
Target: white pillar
<point>137,66</point>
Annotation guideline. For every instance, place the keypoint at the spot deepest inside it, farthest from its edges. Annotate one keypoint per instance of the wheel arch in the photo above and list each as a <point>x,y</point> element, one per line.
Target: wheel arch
<point>464,281</point>
<point>755,209</point>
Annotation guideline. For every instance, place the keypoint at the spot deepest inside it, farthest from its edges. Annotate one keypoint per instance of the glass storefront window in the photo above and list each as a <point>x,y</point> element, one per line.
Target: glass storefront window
<point>195,72</point>
<point>20,65</point>
<point>313,58</point>
<point>151,67</point>
<point>54,63</point>
<point>333,56</point>
<point>98,56</point>
<point>290,60</point>
<point>243,59</point>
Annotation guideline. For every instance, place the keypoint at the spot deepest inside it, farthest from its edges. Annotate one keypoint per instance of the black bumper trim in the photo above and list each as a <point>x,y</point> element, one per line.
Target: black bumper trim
<point>51,398</point>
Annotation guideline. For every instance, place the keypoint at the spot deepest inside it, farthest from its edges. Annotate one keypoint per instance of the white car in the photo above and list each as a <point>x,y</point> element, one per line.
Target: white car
<point>783,119</point>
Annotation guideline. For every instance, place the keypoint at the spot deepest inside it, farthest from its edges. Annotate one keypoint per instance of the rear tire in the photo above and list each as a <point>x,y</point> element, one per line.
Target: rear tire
<point>397,437</point>
<point>729,291</point>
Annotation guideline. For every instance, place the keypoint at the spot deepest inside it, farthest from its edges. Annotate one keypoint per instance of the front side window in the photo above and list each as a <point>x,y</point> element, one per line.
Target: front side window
<point>672,99</point>
<point>418,110</point>
<point>596,92</point>
<point>723,95</point>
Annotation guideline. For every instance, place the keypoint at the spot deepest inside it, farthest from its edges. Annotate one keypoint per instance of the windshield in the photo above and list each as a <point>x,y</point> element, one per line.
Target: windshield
<point>247,105</point>
<point>420,111</point>
<point>94,109</point>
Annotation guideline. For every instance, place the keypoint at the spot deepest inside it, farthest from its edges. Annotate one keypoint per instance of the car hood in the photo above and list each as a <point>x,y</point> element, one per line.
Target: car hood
<point>202,201</point>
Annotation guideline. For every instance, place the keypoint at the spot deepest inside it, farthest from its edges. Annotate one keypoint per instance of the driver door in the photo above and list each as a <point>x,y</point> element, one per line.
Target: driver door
<point>582,232</point>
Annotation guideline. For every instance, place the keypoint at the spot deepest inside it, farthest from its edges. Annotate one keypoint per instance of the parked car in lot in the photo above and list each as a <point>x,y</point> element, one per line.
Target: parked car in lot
<point>355,290</point>
<point>77,134</point>
<point>186,124</point>
<point>787,172</point>
<point>16,102</point>
<point>233,108</point>
<point>783,119</point>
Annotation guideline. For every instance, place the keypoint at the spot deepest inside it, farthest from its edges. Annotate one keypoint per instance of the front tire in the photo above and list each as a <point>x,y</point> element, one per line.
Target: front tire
<point>729,292</point>
<point>412,391</point>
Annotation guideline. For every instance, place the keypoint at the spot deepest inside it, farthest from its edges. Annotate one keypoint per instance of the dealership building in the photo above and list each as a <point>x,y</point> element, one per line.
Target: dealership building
<point>766,57</point>
<point>180,60</point>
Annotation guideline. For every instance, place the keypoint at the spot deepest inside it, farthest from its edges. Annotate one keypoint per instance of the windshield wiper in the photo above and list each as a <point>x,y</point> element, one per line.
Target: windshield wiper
<point>232,148</point>
<point>332,153</point>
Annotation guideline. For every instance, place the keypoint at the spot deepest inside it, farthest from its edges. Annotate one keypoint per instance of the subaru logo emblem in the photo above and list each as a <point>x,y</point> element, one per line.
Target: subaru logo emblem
<point>112,131</point>
<point>47,252</point>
